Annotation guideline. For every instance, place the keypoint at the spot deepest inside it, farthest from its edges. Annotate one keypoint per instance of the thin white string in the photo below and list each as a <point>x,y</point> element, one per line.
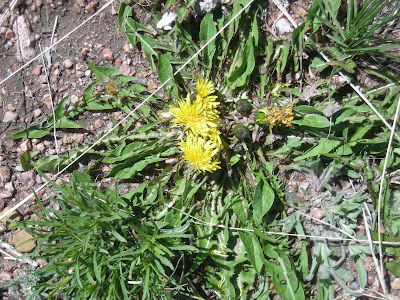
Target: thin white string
<point>383,177</point>
<point>8,11</point>
<point>127,116</point>
<point>56,43</point>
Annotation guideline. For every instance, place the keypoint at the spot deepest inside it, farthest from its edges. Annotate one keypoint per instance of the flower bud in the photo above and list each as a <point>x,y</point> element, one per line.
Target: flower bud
<point>243,106</point>
<point>241,131</point>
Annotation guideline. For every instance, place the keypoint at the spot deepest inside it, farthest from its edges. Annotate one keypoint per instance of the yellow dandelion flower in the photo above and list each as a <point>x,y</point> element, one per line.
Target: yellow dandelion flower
<point>209,101</point>
<point>275,116</point>
<point>215,136</point>
<point>204,87</point>
<point>200,153</point>
<point>194,117</point>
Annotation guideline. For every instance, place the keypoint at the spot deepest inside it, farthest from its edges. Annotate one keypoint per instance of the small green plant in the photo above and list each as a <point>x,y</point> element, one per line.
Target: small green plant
<point>101,245</point>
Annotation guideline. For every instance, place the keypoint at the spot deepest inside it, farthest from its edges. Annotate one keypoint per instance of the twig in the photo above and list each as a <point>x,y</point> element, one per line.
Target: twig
<point>8,255</point>
<point>8,11</point>
<point>52,105</point>
<point>383,177</point>
<point>47,49</point>
<point>15,252</point>
<point>379,271</point>
<point>327,224</point>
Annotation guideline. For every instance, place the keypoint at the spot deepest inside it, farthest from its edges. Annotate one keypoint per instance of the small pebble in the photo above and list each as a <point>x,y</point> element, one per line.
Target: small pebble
<point>93,4</point>
<point>37,112</point>
<point>152,84</point>
<point>396,284</point>
<point>9,34</point>
<point>47,100</point>
<point>37,70</point>
<point>26,145</point>
<point>317,213</point>
<point>5,276</point>
<point>5,174</point>
<point>283,26</point>
<point>9,187</point>
<point>85,51</point>
<point>88,73</point>
<point>10,117</point>
<point>118,62</point>
<point>8,265</point>
<point>67,63</point>
<point>23,236</point>
<point>28,179</point>
<point>98,124</point>
<point>11,107</point>
<point>108,54</point>
<point>43,79</point>
<point>74,99</point>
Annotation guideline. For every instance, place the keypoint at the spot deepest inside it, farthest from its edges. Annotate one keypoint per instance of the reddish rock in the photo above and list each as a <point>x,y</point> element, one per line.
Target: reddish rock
<point>8,265</point>
<point>118,62</point>
<point>41,262</point>
<point>9,34</point>
<point>37,70</point>
<point>85,51</point>
<point>108,54</point>
<point>28,179</point>
<point>37,112</point>
<point>98,124</point>
<point>67,63</point>
<point>126,70</point>
<point>4,195</point>
<point>47,100</point>
<point>5,276</point>
<point>26,145</point>
<point>317,213</point>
